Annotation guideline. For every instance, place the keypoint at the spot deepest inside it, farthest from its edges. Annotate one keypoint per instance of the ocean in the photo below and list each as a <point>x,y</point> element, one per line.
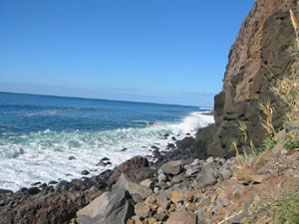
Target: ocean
<point>38,134</point>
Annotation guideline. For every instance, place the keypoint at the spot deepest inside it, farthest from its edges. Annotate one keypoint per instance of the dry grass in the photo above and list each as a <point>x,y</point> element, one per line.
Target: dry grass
<point>268,121</point>
<point>295,25</point>
<point>288,90</point>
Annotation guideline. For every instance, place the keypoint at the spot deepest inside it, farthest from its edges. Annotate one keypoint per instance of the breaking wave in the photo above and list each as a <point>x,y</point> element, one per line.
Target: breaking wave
<point>44,156</point>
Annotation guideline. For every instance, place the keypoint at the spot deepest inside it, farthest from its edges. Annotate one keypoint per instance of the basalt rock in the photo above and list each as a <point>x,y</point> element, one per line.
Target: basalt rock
<point>130,167</point>
<point>56,207</point>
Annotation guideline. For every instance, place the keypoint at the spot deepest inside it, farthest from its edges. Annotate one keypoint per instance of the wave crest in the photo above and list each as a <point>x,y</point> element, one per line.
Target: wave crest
<point>43,156</point>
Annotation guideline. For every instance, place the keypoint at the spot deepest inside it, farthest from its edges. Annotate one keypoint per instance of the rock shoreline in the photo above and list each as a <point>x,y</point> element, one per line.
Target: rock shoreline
<point>192,180</point>
<point>17,207</point>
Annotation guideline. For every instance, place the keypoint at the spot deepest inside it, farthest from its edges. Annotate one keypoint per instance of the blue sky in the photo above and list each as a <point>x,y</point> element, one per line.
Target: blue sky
<point>164,51</point>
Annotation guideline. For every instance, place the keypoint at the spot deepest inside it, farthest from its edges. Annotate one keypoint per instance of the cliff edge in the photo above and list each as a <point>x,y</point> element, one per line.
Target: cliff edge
<point>262,54</point>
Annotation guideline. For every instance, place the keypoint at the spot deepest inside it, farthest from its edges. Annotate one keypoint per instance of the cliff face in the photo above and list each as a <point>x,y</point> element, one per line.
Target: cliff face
<point>263,52</point>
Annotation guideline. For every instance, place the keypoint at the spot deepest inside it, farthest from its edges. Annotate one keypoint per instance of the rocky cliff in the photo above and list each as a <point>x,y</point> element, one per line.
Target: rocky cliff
<point>263,52</point>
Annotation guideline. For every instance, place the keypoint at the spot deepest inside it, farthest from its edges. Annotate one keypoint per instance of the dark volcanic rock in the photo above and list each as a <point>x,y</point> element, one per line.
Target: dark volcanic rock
<point>36,183</point>
<point>33,190</point>
<point>105,175</point>
<point>104,163</point>
<point>51,208</point>
<point>53,182</point>
<point>185,143</point>
<point>155,147</point>
<point>63,186</point>
<point>263,45</point>
<point>85,172</point>
<point>170,146</point>
<point>130,167</point>
<point>4,191</point>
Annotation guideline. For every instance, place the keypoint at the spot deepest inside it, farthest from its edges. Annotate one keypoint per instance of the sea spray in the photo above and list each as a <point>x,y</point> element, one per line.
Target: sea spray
<point>44,156</point>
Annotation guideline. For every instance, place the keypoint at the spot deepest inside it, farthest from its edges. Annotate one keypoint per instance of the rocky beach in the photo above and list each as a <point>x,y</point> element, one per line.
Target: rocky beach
<point>232,171</point>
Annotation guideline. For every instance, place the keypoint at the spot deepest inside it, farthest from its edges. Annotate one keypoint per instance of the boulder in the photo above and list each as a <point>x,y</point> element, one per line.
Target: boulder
<point>131,167</point>
<point>109,208</point>
<point>172,167</point>
<point>144,173</point>
<point>136,190</point>
<point>205,177</point>
<point>147,183</point>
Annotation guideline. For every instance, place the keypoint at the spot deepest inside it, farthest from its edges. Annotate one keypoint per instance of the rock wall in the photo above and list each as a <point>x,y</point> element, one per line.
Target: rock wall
<point>263,52</point>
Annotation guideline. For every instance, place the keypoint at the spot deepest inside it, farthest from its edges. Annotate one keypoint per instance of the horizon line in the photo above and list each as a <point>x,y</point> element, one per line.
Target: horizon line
<point>93,98</point>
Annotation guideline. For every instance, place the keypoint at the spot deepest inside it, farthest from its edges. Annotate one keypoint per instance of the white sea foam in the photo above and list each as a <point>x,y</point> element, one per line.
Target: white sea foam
<point>43,156</point>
